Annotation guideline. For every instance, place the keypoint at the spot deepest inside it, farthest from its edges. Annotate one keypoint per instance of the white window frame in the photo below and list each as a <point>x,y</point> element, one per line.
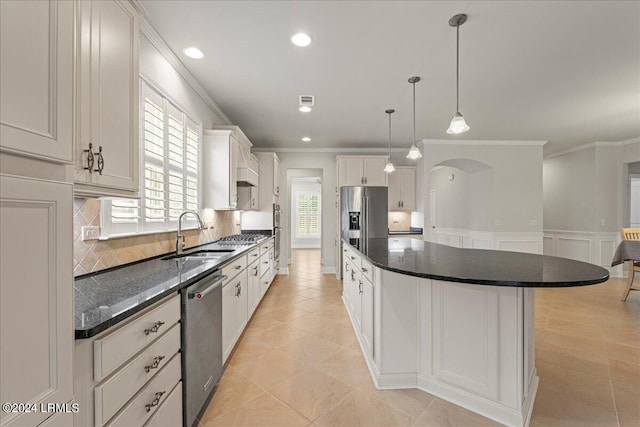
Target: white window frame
<point>109,229</point>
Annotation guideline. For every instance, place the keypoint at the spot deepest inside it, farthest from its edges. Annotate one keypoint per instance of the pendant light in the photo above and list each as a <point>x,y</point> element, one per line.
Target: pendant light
<point>458,125</point>
<point>414,151</point>
<point>388,168</point>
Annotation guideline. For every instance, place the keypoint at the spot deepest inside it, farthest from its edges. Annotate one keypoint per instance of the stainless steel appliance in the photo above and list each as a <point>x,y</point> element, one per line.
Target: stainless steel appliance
<point>201,344</point>
<point>363,215</point>
<point>240,239</point>
<point>276,230</point>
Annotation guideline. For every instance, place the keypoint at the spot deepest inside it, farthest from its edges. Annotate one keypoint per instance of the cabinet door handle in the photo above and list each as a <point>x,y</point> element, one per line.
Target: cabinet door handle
<point>155,401</point>
<point>346,267</point>
<point>353,276</point>
<point>365,180</point>
<point>154,328</point>
<point>100,160</point>
<point>238,289</point>
<point>154,364</point>
<point>360,287</point>
<point>255,271</point>
<point>90,158</point>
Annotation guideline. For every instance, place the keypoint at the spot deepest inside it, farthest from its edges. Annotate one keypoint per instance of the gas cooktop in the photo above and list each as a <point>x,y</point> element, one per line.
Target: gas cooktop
<point>240,239</point>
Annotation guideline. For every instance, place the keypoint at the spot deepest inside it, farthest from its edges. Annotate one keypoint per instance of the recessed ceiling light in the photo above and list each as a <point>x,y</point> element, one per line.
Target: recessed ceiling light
<point>193,52</point>
<point>304,109</point>
<point>306,139</point>
<point>301,39</point>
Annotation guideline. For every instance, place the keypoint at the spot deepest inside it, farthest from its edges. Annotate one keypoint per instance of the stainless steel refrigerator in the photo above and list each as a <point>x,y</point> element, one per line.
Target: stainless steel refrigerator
<point>363,215</point>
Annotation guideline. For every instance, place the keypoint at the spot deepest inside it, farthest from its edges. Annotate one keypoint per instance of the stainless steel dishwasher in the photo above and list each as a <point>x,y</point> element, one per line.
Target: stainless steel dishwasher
<point>201,344</point>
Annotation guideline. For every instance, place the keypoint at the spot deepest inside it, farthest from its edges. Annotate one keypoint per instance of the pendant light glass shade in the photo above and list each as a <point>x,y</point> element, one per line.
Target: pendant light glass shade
<point>388,168</point>
<point>414,151</point>
<point>458,125</point>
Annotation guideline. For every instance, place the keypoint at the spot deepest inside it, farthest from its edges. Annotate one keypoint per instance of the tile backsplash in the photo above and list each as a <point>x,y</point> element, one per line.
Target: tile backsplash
<point>95,255</point>
<point>399,221</point>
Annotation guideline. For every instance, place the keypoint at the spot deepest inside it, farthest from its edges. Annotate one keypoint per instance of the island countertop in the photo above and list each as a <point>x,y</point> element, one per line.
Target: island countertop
<point>419,258</point>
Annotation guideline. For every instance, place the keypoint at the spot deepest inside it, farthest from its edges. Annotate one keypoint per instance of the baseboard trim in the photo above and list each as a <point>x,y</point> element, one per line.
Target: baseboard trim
<point>328,270</point>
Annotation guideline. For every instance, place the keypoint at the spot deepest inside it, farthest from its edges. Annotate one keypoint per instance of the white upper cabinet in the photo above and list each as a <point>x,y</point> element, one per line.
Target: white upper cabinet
<point>361,170</point>
<point>402,189</point>
<point>106,155</point>
<point>227,159</point>
<point>36,115</point>
<point>276,176</point>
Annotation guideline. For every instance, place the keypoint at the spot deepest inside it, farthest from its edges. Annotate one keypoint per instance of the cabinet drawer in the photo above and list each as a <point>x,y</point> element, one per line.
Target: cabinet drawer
<point>111,395</point>
<point>367,269</point>
<point>266,246</point>
<point>169,414</point>
<point>232,269</point>
<point>141,407</point>
<point>114,349</point>
<point>253,255</point>
<point>264,263</point>
<point>354,259</point>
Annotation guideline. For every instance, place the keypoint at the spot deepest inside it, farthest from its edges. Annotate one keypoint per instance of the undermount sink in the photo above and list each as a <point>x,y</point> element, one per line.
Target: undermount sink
<point>200,255</point>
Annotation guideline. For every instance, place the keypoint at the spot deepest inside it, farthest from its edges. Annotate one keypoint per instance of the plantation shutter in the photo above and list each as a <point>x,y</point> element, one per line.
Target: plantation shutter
<point>170,145</point>
<point>308,214</point>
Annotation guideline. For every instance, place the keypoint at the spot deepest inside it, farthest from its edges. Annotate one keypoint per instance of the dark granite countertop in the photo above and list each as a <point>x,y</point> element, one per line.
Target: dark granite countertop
<point>411,230</point>
<point>105,298</point>
<point>418,258</point>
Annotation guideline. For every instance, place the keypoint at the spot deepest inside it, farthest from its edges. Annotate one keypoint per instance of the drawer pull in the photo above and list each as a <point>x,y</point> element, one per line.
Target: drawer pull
<point>254,255</point>
<point>238,267</point>
<point>154,328</point>
<point>364,269</point>
<point>154,365</point>
<point>353,258</point>
<point>265,262</point>
<point>90,158</point>
<point>155,401</point>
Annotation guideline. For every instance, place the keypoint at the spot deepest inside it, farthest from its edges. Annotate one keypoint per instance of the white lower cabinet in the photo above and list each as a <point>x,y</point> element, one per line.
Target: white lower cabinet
<point>254,293</point>
<point>358,293</point>
<point>145,371</point>
<point>169,414</point>
<point>234,311</point>
<point>36,296</point>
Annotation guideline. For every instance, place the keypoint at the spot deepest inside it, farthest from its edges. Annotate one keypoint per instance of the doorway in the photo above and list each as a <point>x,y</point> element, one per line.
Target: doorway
<point>306,212</point>
<point>304,219</point>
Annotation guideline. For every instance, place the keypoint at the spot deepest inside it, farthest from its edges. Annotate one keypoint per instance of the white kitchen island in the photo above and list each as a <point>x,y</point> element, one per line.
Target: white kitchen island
<point>457,323</point>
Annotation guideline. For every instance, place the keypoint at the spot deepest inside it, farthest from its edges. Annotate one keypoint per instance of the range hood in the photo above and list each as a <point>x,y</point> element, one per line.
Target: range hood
<point>247,170</point>
<point>247,177</point>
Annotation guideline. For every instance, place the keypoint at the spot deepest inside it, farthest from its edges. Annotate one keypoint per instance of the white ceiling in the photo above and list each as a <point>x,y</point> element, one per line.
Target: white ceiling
<point>564,72</point>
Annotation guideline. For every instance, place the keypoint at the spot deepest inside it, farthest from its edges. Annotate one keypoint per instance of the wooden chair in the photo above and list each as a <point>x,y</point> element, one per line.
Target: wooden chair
<point>630,234</point>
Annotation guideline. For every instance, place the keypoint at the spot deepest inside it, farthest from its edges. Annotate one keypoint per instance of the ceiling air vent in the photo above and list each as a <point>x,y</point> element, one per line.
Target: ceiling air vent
<point>307,100</point>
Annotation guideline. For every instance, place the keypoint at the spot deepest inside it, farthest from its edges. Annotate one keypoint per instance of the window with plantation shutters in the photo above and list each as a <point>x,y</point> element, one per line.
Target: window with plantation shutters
<point>170,145</point>
<point>308,214</point>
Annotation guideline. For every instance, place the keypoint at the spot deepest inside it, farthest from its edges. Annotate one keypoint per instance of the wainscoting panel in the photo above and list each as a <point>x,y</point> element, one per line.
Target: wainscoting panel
<point>593,247</point>
<point>515,242</point>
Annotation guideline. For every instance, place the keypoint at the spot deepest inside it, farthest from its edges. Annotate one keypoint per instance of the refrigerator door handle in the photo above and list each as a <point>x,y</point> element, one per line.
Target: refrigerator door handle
<point>365,223</point>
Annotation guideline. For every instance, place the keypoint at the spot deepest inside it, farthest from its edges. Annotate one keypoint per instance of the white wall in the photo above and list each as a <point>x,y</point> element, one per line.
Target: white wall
<point>586,200</point>
<point>515,199</point>
<point>305,186</point>
<point>155,68</point>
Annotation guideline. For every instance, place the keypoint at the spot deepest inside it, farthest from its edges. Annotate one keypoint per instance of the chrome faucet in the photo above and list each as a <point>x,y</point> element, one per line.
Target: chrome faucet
<point>180,237</point>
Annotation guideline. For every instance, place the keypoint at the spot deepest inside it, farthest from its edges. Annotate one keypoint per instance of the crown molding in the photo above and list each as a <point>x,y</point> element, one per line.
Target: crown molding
<point>593,145</point>
<point>158,42</point>
<point>480,142</point>
<point>336,150</point>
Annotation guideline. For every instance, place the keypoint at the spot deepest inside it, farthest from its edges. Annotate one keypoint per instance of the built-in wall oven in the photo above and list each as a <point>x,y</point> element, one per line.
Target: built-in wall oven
<point>276,230</point>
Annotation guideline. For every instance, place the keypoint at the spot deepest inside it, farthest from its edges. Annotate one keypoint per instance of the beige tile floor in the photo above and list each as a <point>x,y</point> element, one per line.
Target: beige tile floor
<point>298,362</point>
